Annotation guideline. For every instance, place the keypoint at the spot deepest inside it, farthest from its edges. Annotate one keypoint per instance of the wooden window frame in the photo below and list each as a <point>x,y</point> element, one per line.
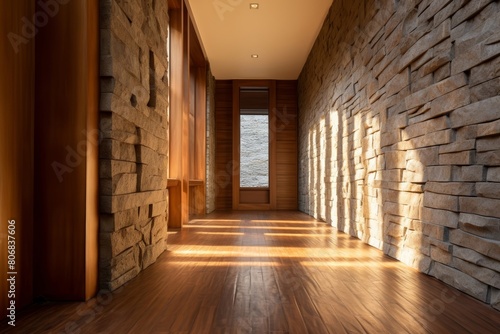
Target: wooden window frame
<point>237,85</point>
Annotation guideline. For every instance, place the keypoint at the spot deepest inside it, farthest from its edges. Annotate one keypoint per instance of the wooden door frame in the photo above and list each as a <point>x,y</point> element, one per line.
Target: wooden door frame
<point>271,85</point>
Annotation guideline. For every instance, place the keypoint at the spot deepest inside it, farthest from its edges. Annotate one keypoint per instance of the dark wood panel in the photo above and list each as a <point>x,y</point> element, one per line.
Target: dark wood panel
<point>16,148</point>
<point>287,145</point>
<point>270,272</point>
<point>223,143</point>
<point>66,124</point>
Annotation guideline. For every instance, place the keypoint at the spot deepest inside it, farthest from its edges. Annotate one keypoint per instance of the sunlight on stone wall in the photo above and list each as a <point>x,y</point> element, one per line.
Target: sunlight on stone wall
<point>400,134</point>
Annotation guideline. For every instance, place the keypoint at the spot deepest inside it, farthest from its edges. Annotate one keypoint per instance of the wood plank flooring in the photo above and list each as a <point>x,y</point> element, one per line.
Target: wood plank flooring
<point>269,272</point>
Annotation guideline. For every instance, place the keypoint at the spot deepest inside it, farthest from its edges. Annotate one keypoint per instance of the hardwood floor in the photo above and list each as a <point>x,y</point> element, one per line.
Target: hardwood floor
<point>274,272</point>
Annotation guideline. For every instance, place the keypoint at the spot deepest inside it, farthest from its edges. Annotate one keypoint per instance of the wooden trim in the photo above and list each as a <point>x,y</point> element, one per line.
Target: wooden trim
<point>196,183</point>
<point>92,195</point>
<point>172,183</point>
<point>176,95</point>
<point>236,145</point>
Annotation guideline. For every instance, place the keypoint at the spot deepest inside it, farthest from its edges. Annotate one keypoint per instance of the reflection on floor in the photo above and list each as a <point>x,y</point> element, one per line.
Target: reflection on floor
<point>269,272</point>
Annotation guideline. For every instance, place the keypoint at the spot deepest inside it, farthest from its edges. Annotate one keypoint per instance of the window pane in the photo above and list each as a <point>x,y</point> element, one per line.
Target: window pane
<point>254,151</point>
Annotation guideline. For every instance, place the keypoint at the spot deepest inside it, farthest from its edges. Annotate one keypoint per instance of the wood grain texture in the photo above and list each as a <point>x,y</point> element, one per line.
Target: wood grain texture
<point>17,82</point>
<point>269,272</point>
<point>223,144</point>
<point>284,115</point>
<point>66,154</point>
<point>286,145</point>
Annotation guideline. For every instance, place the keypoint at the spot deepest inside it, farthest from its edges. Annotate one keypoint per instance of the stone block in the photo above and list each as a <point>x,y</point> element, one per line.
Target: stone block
<point>488,129</point>
<point>475,113</point>
<point>427,156</point>
<point>460,281</point>
<point>466,133</point>
<point>439,217</point>
<point>432,139</point>
<point>145,230</point>
<point>110,122</point>
<point>488,189</point>
<point>112,204</point>
<point>457,158</point>
<point>127,152</point>
<point>420,129</point>
<point>425,43</point>
<point>488,143</point>
<point>441,256</point>
<point>470,9</point>
<point>472,256</point>
<point>397,83</point>
<point>493,174</point>
<point>481,206</point>
<point>115,284</point>
<point>470,173</point>
<point>389,175</point>
<point>159,209</point>
<point>433,231</point>
<point>435,63</point>
<point>147,156</point>
<point>121,264</point>
<point>491,158</point>
<point>439,173</point>
<point>444,105</point>
<point>490,248</point>
<point>123,239</point>
<point>440,201</point>
<point>484,72</point>
<point>451,188</point>
<point>390,138</point>
<point>395,159</point>
<point>485,90</point>
<point>486,227</point>
<point>433,8</point>
<point>442,73</point>
<point>436,90</point>
<point>418,84</point>
<point>484,275</point>
<point>111,168</point>
<point>458,146</point>
<point>121,184</point>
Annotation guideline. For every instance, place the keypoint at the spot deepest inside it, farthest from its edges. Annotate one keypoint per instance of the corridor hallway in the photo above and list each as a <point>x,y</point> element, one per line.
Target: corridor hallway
<point>268,272</point>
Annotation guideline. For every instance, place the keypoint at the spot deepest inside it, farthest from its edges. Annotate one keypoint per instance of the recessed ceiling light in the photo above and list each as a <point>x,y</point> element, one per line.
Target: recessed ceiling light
<point>255,55</point>
<point>254,5</point>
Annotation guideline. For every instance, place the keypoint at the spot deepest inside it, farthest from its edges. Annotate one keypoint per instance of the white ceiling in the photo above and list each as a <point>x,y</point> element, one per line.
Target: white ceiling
<point>281,32</point>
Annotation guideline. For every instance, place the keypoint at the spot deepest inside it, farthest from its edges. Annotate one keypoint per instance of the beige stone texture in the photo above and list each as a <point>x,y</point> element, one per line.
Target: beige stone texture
<point>418,110</point>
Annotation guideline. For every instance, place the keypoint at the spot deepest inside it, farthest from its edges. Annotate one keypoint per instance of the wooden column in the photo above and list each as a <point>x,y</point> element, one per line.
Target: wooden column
<point>16,148</point>
<point>66,153</point>
<point>187,129</point>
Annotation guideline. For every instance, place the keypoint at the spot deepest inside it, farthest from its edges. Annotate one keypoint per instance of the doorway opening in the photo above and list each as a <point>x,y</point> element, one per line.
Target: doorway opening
<point>254,170</point>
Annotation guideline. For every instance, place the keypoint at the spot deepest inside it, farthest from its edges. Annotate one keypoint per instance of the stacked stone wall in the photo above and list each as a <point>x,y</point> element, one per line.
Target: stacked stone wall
<point>211,186</point>
<point>134,118</point>
<point>400,134</point>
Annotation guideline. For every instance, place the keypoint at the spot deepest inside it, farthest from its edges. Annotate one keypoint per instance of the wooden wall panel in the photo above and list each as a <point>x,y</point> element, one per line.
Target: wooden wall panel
<point>66,153</point>
<point>286,145</point>
<point>286,142</point>
<point>223,144</point>
<point>16,148</point>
